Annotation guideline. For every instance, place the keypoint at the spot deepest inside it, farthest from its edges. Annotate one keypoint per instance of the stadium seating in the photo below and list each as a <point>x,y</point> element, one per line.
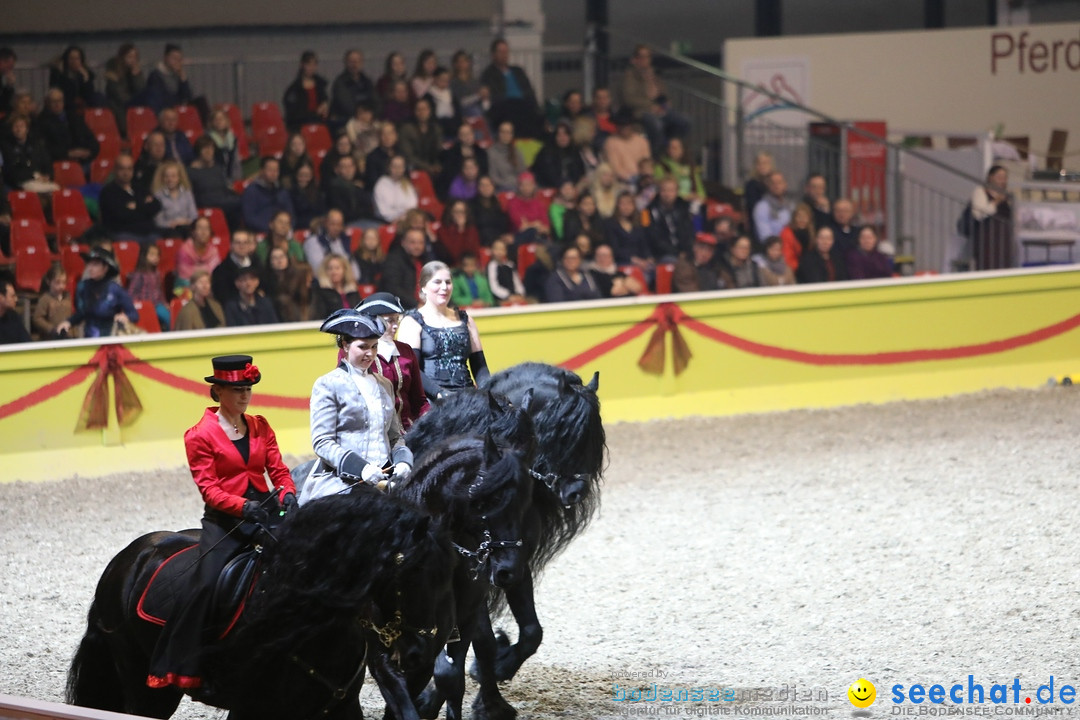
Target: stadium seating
<point>71,228</point>
<point>69,203</point>
<point>31,264</point>
<point>100,170</point>
<point>526,257</point>
<point>140,121</point>
<point>27,205</point>
<point>127,256</point>
<point>68,174</point>
<point>432,207</point>
<point>664,274</point>
<point>189,122</point>
<point>148,319</point>
<point>422,182</point>
<point>387,233</point>
<point>167,248</point>
<point>317,137</point>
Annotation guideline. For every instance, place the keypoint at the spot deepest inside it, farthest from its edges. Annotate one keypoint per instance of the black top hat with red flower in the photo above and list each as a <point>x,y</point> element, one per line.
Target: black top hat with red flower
<point>235,370</point>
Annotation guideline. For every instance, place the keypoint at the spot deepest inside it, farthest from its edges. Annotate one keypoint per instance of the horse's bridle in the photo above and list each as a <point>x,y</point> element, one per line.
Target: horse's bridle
<point>391,630</point>
<point>482,553</point>
<point>338,693</point>
<point>551,480</point>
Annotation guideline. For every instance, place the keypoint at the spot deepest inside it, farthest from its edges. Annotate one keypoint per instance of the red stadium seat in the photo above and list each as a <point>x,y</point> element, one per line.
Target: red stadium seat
<point>109,147</point>
<point>526,257</point>
<point>167,248</point>
<point>432,207</point>
<point>317,162</point>
<point>505,197</point>
<point>101,121</point>
<point>69,203</point>
<point>218,224</point>
<point>387,233</point>
<point>265,115</point>
<point>664,273</point>
<point>100,170</point>
<point>31,264</point>
<point>355,236</point>
<point>28,232</point>
<point>366,290</point>
<point>317,137</point>
<point>547,193</point>
<point>127,256</point>
<point>237,121</point>
<point>27,205</point>
<point>148,319</point>
<point>300,236</point>
<point>71,228</point>
<point>68,174</point>
<point>189,120</point>
<point>422,182</point>
<point>272,142</point>
<point>222,245</point>
<point>137,142</point>
<point>635,272</point>
<point>140,121</point>
<point>72,262</point>
<point>175,306</point>
<point>484,256</point>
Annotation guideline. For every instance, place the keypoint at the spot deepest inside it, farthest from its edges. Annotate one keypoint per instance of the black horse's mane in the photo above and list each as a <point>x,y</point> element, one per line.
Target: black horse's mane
<point>332,557</point>
<point>470,412</point>
<point>445,477</point>
<point>570,440</point>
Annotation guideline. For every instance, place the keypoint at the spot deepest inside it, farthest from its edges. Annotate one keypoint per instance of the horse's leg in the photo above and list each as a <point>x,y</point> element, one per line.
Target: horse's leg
<point>392,683</point>
<point>450,672</point>
<point>520,599</point>
<point>489,703</point>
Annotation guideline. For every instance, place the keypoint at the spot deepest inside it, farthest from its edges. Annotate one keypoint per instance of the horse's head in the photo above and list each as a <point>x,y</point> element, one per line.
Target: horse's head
<point>479,487</point>
<point>570,436</point>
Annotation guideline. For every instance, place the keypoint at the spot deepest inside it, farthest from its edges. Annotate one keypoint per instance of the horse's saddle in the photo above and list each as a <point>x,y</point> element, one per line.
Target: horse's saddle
<point>172,584</point>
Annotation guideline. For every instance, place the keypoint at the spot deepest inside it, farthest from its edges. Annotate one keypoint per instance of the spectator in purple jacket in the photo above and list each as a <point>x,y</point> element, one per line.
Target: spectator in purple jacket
<point>866,261</point>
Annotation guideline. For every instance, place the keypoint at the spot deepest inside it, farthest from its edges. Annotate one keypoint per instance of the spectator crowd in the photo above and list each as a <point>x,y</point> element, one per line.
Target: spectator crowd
<point>357,183</point>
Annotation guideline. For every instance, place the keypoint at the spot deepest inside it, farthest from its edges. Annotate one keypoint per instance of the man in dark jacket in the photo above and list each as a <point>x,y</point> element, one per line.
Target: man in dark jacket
<point>241,256</point>
<point>351,89</point>
<point>127,211</point>
<point>671,229</point>
<point>264,198</point>
<point>512,95</point>
<point>12,329</point>
<point>65,135</point>
<point>305,99</point>
<point>401,271</point>
<point>249,307</point>
<point>167,85</point>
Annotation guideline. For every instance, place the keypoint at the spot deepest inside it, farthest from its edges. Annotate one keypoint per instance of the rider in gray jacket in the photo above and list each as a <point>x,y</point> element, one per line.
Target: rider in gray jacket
<point>355,431</point>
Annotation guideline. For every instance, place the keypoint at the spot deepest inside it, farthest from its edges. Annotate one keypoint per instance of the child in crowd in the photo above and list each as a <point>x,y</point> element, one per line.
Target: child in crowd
<point>54,306</point>
<point>470,287</point>
<point>502,276</point>
<point>363,129</point>
<point>463,186</point>
<point>369,258</point>
<point>144,284</point>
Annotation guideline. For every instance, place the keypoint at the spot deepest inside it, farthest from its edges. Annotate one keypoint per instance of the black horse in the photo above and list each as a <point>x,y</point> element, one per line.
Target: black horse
<point>354,578</point>
<point>345,574</point>
<point>485,510</point>
<point>568,465</point>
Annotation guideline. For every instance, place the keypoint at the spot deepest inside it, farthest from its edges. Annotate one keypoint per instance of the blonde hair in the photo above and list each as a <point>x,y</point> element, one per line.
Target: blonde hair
<point>376,255</point>
<point>159,176</point>
<point>324,275</point>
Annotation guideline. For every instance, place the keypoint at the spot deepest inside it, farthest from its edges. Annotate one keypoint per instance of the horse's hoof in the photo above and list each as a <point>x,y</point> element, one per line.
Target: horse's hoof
<point>493,708</point>
<point>426,707</point>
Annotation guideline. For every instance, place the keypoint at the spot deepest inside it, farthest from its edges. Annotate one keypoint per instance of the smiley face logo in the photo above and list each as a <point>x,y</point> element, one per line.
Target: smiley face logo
<point>862,693</point>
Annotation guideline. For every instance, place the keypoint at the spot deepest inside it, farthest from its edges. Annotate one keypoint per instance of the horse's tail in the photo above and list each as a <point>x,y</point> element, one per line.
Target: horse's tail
<point>93,680</point>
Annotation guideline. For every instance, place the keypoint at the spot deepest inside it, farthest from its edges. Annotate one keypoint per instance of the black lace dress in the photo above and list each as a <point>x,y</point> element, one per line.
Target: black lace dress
<point>444,355</point>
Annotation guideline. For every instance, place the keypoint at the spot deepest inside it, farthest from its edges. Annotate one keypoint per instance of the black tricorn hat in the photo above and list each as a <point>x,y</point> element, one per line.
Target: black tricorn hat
<point>102,255</point>
<point>380,303</point>
<point>234,370</point>
<point>351,323</point>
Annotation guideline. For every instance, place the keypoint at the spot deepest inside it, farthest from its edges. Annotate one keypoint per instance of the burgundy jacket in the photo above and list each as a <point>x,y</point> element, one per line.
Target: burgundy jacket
<point>409,398</point>
<point>220,472</point>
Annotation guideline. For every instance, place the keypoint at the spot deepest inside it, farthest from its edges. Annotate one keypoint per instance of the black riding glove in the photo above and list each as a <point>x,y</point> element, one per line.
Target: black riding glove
<point>288,503</point>
<point>255,513</point>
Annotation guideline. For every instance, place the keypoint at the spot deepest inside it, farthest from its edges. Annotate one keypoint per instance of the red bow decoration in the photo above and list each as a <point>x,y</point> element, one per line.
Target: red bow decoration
<point>667,317</point>
<point>250,372</point>
<point>110,360</point>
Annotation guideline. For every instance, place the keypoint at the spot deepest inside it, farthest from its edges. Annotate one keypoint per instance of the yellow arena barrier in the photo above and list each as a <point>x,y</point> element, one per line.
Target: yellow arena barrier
<point>96,407</point>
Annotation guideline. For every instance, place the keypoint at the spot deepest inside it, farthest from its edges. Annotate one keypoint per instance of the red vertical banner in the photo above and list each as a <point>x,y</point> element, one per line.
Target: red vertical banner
<point>867,161</point>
